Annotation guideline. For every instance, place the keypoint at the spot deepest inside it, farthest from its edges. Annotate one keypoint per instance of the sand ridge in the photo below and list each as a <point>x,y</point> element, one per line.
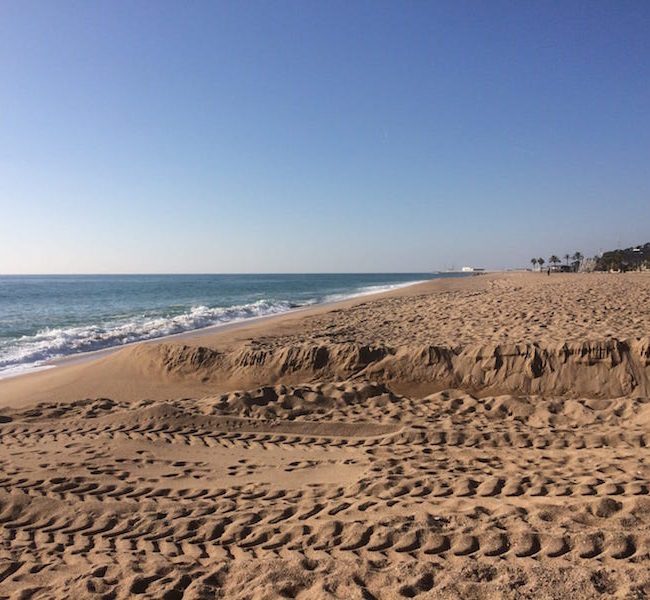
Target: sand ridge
<point>325,480</point>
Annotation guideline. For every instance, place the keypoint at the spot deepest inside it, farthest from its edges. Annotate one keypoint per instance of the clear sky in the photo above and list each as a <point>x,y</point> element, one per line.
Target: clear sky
<point>320,136</point>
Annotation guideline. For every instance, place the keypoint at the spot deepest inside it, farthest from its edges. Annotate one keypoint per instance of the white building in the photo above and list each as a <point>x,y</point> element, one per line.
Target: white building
<point>472,270</point>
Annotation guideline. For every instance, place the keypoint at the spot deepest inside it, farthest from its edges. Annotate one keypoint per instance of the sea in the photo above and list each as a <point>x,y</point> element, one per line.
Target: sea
<point>45,317</point>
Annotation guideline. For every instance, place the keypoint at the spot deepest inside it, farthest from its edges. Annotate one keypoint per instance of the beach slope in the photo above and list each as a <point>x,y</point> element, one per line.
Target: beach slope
<point>471,438</point>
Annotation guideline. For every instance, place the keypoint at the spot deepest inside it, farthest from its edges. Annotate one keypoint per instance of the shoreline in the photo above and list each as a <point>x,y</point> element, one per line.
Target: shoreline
<point>107,373</point>
<point>91,355</point>
<point>450,316</point>
<point>450,313</point>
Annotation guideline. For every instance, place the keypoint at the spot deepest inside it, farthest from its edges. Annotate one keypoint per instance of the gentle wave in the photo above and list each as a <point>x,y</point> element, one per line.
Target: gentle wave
<point>368,290</point>
<point>32,352</point>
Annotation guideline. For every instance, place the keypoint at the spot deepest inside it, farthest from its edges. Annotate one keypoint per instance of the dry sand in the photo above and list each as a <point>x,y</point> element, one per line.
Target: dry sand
<point>470,438</point>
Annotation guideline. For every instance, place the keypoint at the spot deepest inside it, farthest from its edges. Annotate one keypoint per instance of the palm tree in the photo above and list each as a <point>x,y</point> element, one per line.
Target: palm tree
<point>554,260</point>
<point>534,262</point>
<point>566,258</point>
<point>540,262</point>
<point>577,259</point>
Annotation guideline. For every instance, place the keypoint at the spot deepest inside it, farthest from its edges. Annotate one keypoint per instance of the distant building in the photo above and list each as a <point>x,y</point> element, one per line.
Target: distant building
<point>587,265</point>
<point>472,270</point>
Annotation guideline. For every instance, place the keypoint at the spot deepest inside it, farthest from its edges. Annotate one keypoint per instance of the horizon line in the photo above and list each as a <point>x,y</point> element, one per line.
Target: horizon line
<point>431,272</point>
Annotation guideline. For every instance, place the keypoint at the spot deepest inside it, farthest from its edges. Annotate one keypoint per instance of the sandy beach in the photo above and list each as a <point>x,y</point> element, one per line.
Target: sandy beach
<point>479,437</point>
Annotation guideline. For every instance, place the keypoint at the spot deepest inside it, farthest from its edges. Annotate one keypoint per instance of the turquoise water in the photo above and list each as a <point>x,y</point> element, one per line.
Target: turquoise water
<point>46,317</point>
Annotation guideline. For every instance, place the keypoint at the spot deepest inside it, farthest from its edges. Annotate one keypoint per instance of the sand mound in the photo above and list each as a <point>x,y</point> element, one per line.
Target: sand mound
<point>173,361</point>
<point>596,369</point>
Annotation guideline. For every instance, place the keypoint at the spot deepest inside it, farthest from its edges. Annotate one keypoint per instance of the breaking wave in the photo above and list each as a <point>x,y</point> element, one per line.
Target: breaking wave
<point>32,351</point>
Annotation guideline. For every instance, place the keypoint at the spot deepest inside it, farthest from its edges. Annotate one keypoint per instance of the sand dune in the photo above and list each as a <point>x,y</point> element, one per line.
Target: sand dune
<point>596,369</point>
<point>381,449</point>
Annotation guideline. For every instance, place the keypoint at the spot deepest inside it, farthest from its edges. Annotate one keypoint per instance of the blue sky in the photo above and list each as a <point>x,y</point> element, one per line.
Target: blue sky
<point>320,136</point>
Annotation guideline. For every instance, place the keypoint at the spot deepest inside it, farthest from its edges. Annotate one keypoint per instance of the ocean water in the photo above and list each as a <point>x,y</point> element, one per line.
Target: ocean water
<point>47,317</point>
